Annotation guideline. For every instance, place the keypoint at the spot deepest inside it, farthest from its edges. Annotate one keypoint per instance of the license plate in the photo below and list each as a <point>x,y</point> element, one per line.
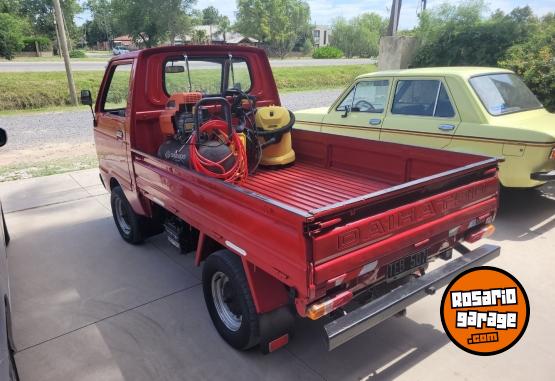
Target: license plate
<point>397,269</point>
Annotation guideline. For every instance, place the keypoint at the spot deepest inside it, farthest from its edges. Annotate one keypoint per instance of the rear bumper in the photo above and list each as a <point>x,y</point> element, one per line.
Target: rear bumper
<point>543,176</point>
<point>362,319</point>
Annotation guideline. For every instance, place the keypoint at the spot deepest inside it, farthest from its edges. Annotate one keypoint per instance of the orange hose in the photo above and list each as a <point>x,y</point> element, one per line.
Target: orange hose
<point>238,172</point>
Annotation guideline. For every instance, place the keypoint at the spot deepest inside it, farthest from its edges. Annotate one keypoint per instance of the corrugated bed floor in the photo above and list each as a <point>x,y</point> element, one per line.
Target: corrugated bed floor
<point>308,187</point>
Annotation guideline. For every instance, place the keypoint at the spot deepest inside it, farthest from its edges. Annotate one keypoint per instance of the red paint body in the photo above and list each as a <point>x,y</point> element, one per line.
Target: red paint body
<point>301,230</point>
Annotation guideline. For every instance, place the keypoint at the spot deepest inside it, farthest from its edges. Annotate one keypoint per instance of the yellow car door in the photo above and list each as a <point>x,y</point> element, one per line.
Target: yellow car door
<point>421,113</point>
<point>360,111</point>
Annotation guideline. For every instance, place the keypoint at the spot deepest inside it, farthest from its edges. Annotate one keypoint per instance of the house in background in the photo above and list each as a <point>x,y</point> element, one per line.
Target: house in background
<point>124,42</point>
<point>201,34</point>
<point>321,35</point>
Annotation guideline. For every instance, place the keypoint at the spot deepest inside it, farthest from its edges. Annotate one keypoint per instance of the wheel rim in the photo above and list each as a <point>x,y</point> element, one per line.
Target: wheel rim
<point>122,217</point>
<point>225,301</point>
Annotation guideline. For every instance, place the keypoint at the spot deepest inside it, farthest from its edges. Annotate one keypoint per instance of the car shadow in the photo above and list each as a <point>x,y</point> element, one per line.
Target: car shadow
<point>525,214</point>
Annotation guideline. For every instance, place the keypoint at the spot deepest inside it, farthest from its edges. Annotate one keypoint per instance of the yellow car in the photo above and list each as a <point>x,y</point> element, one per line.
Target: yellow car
<point>477,110</point>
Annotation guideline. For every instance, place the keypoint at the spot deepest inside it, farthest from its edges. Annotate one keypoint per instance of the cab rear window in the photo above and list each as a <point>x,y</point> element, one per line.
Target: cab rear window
<point>206,75</point>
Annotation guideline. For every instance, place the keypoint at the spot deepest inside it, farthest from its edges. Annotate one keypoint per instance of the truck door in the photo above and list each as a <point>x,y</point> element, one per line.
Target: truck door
<point>112,131</point>
<point>421,114</point>
<point>359,113</point>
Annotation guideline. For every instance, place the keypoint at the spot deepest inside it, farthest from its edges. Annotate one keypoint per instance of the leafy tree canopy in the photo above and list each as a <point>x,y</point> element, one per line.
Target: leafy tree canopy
<point>460,35</point>
<point>359,36</point>
<point>12,30</point>
<point>277,23</point>
<point>534,61</point>
<point>150,21</point>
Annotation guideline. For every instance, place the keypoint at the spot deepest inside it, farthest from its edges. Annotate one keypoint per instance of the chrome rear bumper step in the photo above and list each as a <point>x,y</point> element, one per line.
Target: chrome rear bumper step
<point>347,327</point>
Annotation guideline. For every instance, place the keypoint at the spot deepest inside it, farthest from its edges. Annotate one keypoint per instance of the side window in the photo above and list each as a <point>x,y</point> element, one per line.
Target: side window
<point>117,93</point>
<point>422,98</point>
<point>240,77</point>
<point>367,96</point>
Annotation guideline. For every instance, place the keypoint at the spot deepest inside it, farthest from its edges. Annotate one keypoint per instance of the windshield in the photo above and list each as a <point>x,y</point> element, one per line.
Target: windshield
<point>504,94</point>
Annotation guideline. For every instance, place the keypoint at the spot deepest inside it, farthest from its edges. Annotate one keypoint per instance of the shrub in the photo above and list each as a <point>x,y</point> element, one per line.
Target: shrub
<point>327,52</point>
<point>308,47</point>
<point>534,61</point>
<point>44,44</point>
<point>77,54</point>
<point>11,35</point>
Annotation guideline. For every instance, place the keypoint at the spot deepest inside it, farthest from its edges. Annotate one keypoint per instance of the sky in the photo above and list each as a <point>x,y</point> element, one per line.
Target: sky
<point>325,11</point>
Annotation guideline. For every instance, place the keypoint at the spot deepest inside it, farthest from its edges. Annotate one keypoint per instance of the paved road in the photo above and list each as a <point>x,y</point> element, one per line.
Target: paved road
<point>88,306</point>
<point>34,129</point>
<point>29,66</point>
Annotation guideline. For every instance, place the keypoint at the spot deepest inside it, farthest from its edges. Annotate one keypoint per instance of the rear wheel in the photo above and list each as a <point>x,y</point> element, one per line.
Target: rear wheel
<point>229,301</point>
<point>130,225</point>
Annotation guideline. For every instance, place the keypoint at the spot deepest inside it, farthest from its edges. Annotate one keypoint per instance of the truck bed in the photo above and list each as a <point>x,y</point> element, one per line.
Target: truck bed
<point>333,171</point>
<point>308,186</point>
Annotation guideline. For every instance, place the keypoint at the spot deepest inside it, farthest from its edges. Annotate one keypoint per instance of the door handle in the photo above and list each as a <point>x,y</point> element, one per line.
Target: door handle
<point>119,134</point>
<point>375,121</point>
<point>446,127</point>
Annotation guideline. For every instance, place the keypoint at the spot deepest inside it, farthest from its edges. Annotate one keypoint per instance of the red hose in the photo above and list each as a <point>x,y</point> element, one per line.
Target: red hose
<point>238,172</point>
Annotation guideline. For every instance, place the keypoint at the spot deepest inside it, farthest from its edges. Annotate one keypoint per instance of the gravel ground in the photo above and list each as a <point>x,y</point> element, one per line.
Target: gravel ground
<point>34,130</point>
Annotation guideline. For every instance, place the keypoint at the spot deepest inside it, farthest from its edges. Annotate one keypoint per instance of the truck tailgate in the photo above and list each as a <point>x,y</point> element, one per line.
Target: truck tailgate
<point>381,237</point>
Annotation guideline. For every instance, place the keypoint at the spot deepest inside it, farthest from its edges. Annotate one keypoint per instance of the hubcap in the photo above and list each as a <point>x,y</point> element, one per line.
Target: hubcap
<point>226,302</point>
<point>122,217</point>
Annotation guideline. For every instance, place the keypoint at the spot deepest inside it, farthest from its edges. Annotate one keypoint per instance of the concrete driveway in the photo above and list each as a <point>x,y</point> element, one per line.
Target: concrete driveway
<point>88,306</point>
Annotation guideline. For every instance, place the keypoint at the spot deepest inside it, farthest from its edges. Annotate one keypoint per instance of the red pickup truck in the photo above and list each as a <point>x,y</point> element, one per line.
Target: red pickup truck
<point>347,231</point>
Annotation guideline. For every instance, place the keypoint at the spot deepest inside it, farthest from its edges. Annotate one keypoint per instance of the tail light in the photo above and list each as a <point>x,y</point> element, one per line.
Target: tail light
<point>317,310</point>
<point>479,233</point>
<point>552,155</point>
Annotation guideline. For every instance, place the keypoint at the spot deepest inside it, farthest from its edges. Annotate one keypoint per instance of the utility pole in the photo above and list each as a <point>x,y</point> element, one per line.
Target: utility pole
<point>394,18</point>
<point>62,42</point>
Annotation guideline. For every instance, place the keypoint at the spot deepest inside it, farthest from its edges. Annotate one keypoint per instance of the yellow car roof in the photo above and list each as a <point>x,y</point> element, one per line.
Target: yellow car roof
<point>454,71</point>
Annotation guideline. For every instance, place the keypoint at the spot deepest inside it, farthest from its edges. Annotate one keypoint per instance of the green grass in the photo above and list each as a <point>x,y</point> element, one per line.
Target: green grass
<point>48,90</point>
<point>55,59</point>
<point>45,168</point>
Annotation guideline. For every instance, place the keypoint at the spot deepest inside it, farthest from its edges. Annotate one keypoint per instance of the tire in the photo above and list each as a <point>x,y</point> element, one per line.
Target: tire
<point>131,226</point>
<point>235,319</point>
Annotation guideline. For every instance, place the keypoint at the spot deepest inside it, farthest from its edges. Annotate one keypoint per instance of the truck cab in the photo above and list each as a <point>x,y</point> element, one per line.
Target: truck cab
<point>192,143</point>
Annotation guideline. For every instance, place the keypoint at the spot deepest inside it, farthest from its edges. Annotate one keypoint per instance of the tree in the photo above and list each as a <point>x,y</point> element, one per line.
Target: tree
<point>149,21</point>
<point>534,59</point>
<point>224,27</point>
<point>10,6</point>
<point>460,35</point>
<point>359,36</point>
<point>210,16</point>
<point>41,15</point>
<point>277,23</point>
<point>103,26</point>
<point>199,36</point>
<point>12,30</point>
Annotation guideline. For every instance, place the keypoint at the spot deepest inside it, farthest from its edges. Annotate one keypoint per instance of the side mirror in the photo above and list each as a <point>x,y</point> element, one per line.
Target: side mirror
<point>347,111</point>
<point>86,98</point>
<point>3,137</point>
